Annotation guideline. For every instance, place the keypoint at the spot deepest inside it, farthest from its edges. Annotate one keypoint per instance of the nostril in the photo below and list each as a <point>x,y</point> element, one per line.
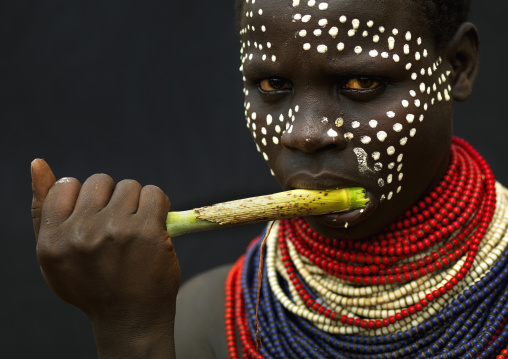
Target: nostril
<point>329,147</point>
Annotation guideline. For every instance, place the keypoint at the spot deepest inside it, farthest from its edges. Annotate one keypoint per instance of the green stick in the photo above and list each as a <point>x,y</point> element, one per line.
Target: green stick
<point>280,205</point>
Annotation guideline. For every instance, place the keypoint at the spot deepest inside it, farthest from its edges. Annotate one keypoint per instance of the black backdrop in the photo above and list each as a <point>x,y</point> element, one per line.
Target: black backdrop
<point>148,90</point>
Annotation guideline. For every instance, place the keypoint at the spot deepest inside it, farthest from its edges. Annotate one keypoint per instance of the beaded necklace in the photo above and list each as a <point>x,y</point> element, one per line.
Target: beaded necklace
<point>432,285</point>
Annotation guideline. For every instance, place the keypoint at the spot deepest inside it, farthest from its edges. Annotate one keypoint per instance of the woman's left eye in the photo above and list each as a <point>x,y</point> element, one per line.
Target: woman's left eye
<point>361,83</point>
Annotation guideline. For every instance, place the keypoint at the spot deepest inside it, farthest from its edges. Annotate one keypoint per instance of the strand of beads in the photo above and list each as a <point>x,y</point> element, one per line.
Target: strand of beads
<point>481,220</point>
<point>360,305</point>
<point>441,258</point>
<point>401,344</point>
<point>413,341</point>
<point>410,292</point>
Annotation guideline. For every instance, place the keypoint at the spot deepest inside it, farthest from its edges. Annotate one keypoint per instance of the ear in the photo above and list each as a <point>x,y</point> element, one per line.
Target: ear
<point>463,54</point>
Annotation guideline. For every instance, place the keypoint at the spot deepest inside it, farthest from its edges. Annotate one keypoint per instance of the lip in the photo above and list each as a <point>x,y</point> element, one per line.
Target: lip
<point>319,181</point>
<point>327,181</point>
<point>346,219</point>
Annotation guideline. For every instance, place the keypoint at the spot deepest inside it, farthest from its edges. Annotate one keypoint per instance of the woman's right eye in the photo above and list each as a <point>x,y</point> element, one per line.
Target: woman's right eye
<point>274,84</point>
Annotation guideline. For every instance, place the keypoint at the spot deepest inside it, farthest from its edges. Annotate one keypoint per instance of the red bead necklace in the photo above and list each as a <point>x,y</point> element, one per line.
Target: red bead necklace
<point>455,215</point>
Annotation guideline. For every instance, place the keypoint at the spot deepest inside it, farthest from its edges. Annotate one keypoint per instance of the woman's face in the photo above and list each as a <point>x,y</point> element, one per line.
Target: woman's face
<point>347,93</point>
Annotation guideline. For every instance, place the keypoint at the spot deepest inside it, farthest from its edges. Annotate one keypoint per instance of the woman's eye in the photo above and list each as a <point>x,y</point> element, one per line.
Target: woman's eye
<point>361,83</point>
<point>273,84</point>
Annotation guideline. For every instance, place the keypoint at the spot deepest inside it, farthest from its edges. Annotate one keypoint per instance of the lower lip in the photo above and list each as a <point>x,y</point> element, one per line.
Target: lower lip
<point>345,219</point>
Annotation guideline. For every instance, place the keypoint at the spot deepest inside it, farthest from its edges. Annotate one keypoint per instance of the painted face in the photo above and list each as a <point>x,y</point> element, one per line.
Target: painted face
<point>347,93</point>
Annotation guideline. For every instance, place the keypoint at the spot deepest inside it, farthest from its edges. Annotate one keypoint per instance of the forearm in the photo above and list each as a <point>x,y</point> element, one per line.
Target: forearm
<point>126,342</point>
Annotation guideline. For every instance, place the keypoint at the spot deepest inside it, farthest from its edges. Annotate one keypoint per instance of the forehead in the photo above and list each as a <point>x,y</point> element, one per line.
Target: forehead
<point>332,28</point>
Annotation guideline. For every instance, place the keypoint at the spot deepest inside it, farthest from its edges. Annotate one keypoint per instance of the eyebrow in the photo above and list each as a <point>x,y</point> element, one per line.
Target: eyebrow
<point>350,65</point>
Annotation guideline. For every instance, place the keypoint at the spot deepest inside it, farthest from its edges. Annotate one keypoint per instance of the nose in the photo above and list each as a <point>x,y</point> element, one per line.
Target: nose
<point>312,133</point>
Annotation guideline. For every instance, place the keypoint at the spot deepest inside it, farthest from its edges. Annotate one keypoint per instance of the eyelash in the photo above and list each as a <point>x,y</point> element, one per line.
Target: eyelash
<point>344,87</point>
<point>275,91</point>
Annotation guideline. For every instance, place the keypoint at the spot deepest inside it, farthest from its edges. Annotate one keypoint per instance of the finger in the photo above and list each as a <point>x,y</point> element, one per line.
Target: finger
<point>95,194</point>
<point>60,202</point>
<point>125,198</point>
<point>154,205</point>
<point>42,180</point>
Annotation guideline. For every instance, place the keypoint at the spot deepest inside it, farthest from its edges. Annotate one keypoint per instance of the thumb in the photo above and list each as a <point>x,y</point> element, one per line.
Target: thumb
<point>42,180</point>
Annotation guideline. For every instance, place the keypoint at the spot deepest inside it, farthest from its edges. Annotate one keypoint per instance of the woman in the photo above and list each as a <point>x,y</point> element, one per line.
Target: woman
<point>337,94</point>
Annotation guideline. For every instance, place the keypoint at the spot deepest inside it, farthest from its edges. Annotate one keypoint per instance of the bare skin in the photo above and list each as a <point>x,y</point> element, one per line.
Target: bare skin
<point>103,246</point>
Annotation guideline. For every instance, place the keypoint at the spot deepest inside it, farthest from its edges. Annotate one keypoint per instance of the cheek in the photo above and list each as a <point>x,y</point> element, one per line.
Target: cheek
<point>267,127</point>
<point>401,139</point>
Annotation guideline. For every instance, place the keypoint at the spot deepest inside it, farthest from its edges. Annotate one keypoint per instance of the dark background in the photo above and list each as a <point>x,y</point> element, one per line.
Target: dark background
<point>149,90</point>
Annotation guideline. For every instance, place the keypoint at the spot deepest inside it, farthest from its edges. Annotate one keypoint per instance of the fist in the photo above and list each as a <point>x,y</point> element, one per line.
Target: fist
<point>104,247</point>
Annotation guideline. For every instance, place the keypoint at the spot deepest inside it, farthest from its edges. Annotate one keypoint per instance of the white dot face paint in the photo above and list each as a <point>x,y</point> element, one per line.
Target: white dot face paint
<point>381,135</point>
<point>361,157</point>
<point>322,49</point>
<point>365,140</point>
<point>332,133</point>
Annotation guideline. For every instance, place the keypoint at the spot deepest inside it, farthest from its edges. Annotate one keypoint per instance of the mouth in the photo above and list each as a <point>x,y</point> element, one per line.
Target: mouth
<point>344,219</point>
<point>327,181</point>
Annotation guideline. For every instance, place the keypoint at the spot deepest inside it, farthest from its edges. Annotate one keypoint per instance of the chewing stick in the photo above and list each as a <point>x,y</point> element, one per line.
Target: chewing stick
<point>288,204</point>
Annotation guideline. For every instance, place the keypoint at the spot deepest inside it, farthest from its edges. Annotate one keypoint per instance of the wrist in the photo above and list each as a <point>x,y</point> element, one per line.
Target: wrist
<point>127,341</point>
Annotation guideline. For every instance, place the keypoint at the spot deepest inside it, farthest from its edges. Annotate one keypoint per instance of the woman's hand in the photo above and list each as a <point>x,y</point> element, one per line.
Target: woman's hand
<point>104,248</point>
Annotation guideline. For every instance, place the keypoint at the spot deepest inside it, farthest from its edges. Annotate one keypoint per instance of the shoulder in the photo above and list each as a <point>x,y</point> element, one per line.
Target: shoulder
<point>199,322</point>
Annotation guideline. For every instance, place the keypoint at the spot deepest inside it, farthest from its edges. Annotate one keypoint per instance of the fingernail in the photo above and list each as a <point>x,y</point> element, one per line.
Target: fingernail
<point>64,180</point>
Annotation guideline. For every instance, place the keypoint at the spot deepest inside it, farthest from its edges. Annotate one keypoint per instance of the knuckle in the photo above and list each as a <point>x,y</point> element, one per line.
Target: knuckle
<point>98,178</point>
<point>119,229</point>
<point>128,183</point>
<point>153,189</point>
<point>156,193</point>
